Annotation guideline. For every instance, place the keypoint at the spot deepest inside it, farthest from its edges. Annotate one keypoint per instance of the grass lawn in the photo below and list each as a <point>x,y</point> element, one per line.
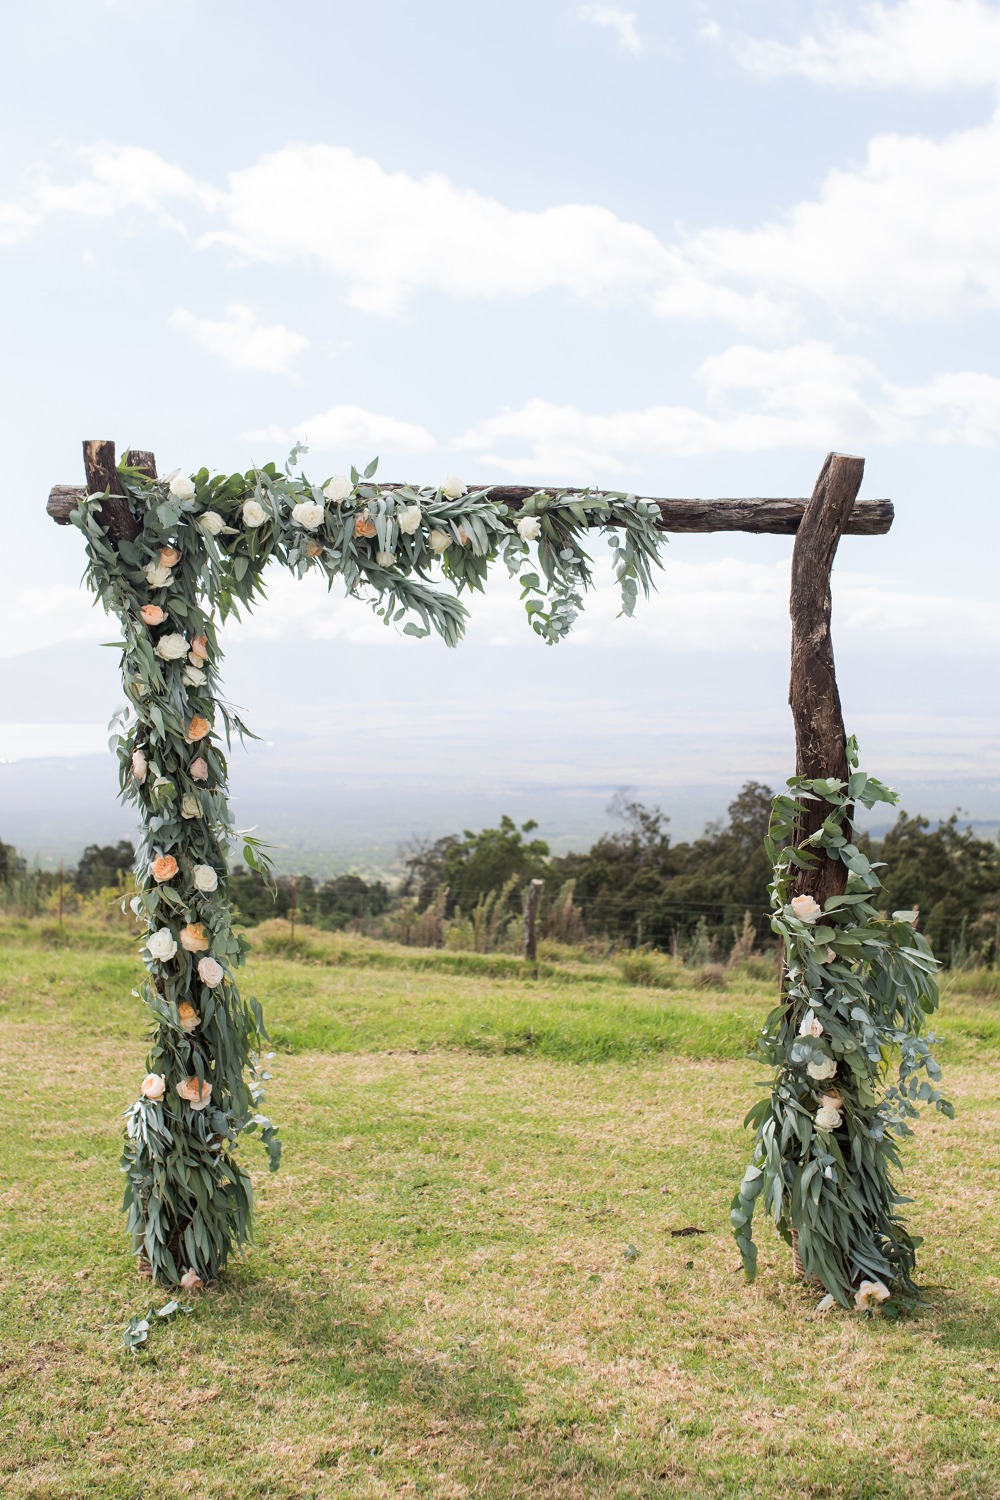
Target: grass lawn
<point>465,1281</point>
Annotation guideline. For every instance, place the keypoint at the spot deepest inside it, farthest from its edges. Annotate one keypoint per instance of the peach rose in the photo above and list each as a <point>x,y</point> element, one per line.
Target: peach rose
<point>152,614</point>
<point>197,729</point>
<point>187,1015</point>
<point>198,1095</point>
<point>169,557</point>
<point>211,972</point>
<point>463,536</point>
<point>364,525</point>
<point>194,939</point>
<point>199,649</point>
<point>314,550</point>
<point>191,1281</point>
<point>198,769</point>
<point>163,868</point>
<point>153,1086</point>
<point>139,766</point>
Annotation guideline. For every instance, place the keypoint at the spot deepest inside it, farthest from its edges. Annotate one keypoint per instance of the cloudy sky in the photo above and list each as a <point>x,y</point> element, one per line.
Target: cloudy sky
<point>683,248</point>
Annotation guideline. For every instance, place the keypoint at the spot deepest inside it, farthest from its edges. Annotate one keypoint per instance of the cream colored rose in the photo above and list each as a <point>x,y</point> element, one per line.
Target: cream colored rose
<point>871,1294</point>
<point>191,1282</point>
<point>338,488</point>
<point>153,1087</point>
<point>453,487</point>
<point>171,647</point>
<point>139,766</point>
<point>157,577</point>
<point>211,972</point>
<point>160,945</point>
<point>211,522</point>
<point>806,908</point>
<point>811,1026</point>
<point>198,1095</point>
<point>193,677</point>
<point>385,559</point>
<point>828,1119</point>
<point>205,879</point>
<point>254,514</point>
<point>198,769</point>
<point>439,541</point>
<point>821,1071</point>
<point>181,486</point>
<point>191,805</point>
<point>529,528</point>
<point>408,519</point>
<point>308,514</point>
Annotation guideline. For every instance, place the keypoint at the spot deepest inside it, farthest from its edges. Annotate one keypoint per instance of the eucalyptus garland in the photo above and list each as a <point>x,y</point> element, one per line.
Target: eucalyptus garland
<point>199,556</point>
<point>852,1063</point>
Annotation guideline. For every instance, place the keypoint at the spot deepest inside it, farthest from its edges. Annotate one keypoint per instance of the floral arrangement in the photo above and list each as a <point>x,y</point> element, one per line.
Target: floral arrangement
<point>198,557</point>
<point>858,986</point>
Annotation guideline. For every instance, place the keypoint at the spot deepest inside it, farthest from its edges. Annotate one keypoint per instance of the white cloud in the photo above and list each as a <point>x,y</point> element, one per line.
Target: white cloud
<point>922,44</point>
<point>356,434</point>
<point>613,18</point>
<point>241,341</point>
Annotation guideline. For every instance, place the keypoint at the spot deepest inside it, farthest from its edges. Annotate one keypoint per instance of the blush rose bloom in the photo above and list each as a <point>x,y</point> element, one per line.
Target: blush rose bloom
<point>314,549</point>
<point>811,1026</point>
<point>187,1017</point>
<point>205,879</point>
<point>831,1101</point>
<point>181,486</point>
<point>254,514</point>
<point>197,729</point>
<point>194,938</point>
<point>828,1119</point>
<point>169,557</point>
<point>191,1282</point>
<point>308,513</point>
<point>152,614</point>
<point>453,487</point>
<point>529,528</point>
<point>199,650</point>
<point>439,541</point>
<point>198,769</point>
<point>160,945</point>
<point>198,1095</point>
<point>408,519</point>
<point>211,522</point>
<point>157,577</point>
<point>140,766</point>
<point>163,868</point>
<point>806,908</point>
<point>211,972</point>
<point>171,647</point>
<point>338,488</point>
<point>153,1087</point>
<point>822,1071</point>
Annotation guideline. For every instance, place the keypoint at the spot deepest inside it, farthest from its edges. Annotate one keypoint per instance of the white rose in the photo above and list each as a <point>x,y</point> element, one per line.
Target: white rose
<point>529,528</point>
<point>821,1071</point>
<point>190,805</point>
<point>385,559</point>
<point>439,541</point>
<point>205,878</point>
<point>810,1025</point>
<point>254,513</point>
<point>338,488</point>
<point>193,677</point>
<point>453,487</point>
<point>171,647</point>
<point>408,519</point>
<point>211,522</point>
<point>308,514</point>
<point>211,972</point>
<point>181,487</point>
<point>806,908</point>
<point>157,577</point>
<point>828,1119</point>
<point>870,1294</point>
<point>161,945</point>
<point>139,766</point>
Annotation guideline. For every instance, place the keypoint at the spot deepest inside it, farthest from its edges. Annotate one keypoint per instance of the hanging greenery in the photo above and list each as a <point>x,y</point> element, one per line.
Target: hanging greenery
<point>199,556</point>
<point>852,1063</point>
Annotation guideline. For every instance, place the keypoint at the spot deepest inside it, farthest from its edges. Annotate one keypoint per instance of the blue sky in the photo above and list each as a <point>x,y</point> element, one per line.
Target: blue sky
<point>681,248</point>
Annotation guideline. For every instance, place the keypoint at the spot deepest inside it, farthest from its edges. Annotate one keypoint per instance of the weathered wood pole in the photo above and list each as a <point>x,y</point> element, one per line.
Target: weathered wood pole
<point>530,919</point>
<point>820,736</point>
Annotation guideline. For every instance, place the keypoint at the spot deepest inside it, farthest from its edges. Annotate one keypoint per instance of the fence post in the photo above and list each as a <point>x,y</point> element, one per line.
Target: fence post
<point>530,914</point>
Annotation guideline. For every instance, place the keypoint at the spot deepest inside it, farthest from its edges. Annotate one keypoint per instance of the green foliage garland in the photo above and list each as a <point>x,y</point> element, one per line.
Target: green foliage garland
<point>858,987</point>
<point>199,557</point>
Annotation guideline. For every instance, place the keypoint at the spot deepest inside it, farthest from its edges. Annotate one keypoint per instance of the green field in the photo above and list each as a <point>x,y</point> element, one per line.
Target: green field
<point>465,1281</point>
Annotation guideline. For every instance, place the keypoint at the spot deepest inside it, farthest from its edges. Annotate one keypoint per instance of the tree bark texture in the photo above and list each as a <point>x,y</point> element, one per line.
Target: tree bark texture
<point>814,697</point>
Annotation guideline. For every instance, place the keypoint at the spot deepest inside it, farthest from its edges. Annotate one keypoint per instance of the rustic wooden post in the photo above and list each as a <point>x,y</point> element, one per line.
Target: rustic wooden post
<point>530,916</point>
<point>820,736</point>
